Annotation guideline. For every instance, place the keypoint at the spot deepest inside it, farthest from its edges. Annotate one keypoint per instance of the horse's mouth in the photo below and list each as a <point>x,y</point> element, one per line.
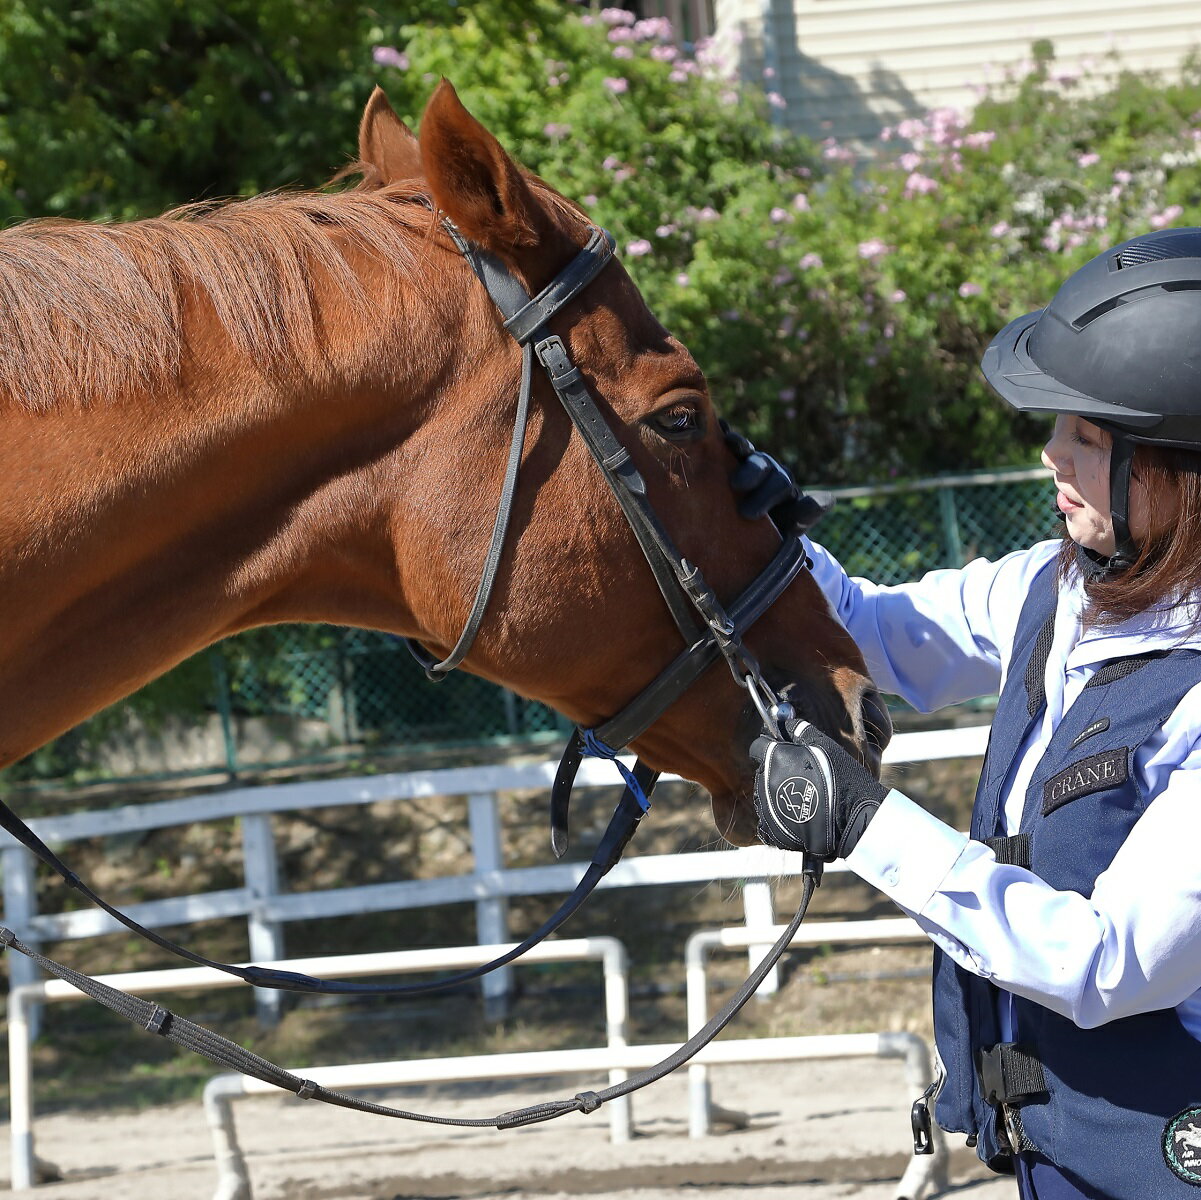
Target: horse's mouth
<point>734,816</point>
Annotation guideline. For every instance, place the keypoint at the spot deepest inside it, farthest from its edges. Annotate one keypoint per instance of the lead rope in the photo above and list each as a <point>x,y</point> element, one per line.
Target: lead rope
<point>225,1053</point>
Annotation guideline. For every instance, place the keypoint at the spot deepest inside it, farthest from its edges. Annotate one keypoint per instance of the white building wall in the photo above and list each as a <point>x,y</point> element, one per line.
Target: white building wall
<point>848,67</point>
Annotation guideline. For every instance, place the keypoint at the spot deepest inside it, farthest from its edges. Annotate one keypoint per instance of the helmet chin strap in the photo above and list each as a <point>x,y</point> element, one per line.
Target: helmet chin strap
<point>1097,566</point>
<point>1121,458</point>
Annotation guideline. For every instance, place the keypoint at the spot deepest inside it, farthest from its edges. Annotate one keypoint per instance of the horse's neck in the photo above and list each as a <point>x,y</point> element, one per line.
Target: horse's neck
<point>133,534</point>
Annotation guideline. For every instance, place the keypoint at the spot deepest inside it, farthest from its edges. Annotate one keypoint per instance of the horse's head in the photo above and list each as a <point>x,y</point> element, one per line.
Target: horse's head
<point>576,619</point>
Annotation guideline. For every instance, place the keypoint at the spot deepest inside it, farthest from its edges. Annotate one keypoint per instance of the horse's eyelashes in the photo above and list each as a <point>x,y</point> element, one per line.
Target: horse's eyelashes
<point>679,422</point>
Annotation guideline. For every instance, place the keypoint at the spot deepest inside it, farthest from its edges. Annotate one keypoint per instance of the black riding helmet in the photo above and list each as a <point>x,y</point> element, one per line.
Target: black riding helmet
<point>1119,345</point>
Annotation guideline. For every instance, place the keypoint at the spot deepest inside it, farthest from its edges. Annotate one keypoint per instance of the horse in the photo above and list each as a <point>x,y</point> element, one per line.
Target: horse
<point>294,407</point>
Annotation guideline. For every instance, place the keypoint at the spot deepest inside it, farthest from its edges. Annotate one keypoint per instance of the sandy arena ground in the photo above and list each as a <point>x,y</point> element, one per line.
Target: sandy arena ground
<point>818,1131</point>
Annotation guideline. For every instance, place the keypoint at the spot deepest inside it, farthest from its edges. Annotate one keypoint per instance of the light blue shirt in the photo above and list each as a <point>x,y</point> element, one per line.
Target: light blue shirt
<point>1134,945</point>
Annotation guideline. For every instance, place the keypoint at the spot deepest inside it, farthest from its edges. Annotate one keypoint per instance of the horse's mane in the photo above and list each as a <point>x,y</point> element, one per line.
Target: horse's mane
<point>93,311</point>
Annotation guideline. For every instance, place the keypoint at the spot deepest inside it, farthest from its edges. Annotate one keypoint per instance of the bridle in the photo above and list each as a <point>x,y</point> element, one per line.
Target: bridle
<point>707,629</point>
<point>709,632</point>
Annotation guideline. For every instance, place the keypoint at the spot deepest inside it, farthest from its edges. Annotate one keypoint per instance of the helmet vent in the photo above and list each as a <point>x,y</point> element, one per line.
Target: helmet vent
<point>1177,243</point>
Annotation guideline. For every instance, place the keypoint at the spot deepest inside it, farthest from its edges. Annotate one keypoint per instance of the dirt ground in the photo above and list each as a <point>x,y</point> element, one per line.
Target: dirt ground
<point>817,1131</point>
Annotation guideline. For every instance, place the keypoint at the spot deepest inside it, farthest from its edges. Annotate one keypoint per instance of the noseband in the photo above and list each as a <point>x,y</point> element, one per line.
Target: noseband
<point>708,630</point>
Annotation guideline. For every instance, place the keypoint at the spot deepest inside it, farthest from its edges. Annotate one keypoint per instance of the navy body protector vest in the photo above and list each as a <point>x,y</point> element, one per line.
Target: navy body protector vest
<point>1096,1102</point>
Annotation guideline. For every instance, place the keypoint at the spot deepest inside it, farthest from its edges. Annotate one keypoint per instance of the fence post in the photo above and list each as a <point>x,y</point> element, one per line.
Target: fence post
<point>952,538</point>
<point>225,711</point>
<point>760,912</point>
<point>491,915</point>
<point>20,907</point>
<point>260,866</point>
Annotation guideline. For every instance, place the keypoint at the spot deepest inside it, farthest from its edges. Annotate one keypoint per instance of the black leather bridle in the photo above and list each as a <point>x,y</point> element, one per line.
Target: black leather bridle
<point>709,632</point>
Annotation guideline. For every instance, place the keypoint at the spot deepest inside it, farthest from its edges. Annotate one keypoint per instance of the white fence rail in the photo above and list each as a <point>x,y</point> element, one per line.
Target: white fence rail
<point>267,908</point>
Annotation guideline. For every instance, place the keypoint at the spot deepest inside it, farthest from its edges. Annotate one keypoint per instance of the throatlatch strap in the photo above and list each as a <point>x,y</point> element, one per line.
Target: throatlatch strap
<point>438,671</point>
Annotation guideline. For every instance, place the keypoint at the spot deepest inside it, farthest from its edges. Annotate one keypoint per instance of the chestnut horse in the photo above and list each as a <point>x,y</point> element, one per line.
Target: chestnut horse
<point>296,407</point>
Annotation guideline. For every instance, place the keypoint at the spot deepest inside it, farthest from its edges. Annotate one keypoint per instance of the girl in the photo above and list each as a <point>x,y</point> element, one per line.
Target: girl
<point>1067,928</point>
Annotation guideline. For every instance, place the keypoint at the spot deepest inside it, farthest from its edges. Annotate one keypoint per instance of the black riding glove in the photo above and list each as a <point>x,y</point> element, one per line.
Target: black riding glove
<point>765,488</point>
<point>811,795</point>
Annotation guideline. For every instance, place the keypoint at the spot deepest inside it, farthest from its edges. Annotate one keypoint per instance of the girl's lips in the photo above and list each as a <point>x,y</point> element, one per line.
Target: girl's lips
<point>1065,504</point>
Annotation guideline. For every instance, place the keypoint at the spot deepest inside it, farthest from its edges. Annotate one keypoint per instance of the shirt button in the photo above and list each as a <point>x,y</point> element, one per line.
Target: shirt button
<point>892,878</point>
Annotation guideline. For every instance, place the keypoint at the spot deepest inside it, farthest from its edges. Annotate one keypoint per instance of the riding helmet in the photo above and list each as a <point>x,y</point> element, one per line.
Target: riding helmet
<point>1119,345</point>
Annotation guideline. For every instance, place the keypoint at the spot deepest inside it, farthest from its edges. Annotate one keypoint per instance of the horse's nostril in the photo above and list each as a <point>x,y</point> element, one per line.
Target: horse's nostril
<point>877,723</point>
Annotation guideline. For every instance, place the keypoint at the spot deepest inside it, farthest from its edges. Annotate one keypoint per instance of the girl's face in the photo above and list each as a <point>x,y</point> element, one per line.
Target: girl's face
<point>1078,457</point>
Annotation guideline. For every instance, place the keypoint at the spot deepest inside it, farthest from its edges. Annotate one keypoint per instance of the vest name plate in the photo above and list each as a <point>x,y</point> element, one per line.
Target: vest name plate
<point>1093,774</point>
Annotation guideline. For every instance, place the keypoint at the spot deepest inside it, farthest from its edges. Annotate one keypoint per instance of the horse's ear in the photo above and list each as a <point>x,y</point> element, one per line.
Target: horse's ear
<point>386,144</point>
<point>479,187</point>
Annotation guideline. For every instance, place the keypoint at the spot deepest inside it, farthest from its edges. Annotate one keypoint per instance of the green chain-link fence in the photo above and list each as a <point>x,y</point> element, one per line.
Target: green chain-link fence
<point>308,693</point>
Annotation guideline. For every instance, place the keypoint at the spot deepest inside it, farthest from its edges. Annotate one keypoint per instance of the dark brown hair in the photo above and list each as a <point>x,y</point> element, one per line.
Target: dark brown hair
<point>1168,567</point>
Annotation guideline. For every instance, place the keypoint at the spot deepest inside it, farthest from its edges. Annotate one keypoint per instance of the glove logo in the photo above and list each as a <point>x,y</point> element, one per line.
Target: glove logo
<point>796,798</point>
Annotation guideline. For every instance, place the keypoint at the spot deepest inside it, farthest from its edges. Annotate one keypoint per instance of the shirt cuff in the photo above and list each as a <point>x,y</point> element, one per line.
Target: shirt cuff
<point>906,852</point>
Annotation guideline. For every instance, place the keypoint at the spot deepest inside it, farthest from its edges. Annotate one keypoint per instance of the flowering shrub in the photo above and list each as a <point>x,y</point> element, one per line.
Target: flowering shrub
<point>838,308</point>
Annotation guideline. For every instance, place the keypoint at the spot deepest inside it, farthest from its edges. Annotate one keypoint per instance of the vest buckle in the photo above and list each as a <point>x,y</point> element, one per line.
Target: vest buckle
<point>1010,1074</point>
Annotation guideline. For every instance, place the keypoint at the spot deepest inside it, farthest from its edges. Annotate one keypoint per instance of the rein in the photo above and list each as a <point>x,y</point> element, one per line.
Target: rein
<point>708,630</point>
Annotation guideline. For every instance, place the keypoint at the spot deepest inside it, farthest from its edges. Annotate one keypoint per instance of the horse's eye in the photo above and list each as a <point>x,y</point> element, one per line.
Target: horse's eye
<point>681,422</point>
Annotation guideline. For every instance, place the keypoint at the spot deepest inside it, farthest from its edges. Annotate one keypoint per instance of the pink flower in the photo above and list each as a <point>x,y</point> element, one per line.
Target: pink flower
<point>779,215</point>
<point>980,140</point>
<point>910,161</point>
<point>682,279</point>
<point>920,185</point>
<point>833,152</point>
<point>611,163</point>
<point>658,28</point>
<point>1088,159</point>
<point>617,16</point>
<point>809,261</point>
<point>787,393</point>
<point>678,74</point>
<point>969,289</point>
<point>873,248</point>
<point>621,33</point>
<point>800,202</point>
<point>389,56</point>
<point>617,85</point>
<point>1170,214</point>
<point>898,297</point>
<point>1122,177</point>
<point>665,230</point>
<point>623,52</point>
<point>1000,229</point>
<point>666,53</point>
<point>553,129</point>
<point>776,100</point>
<point>591,201</point>
<point>638,247</point>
